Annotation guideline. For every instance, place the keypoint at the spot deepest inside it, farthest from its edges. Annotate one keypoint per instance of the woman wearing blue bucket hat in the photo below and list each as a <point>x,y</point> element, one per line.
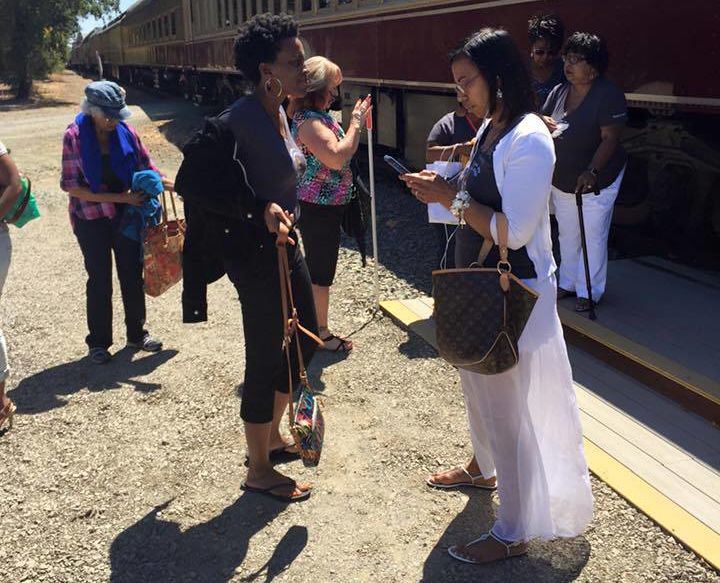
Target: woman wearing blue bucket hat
<point>101,153</point>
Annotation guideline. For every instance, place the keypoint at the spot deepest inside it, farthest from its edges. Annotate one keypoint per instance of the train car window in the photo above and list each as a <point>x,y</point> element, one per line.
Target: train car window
<point>250,8</point>
<point>306,5</point>
<point>154,29</point>
<point>290,7</point>
<point>192,12</point>
<point>166,18</point>
<point>323,4</point>
<point>226,14</point>
<point>276,6</point>
<point>219,13</point>
<point>173,24</point>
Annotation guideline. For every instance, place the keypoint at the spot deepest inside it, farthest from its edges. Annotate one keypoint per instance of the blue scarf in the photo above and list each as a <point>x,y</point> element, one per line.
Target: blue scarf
<point>124,158</point>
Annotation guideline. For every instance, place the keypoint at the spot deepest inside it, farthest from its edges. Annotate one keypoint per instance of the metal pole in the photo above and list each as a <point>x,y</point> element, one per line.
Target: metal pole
<point>373,214</point>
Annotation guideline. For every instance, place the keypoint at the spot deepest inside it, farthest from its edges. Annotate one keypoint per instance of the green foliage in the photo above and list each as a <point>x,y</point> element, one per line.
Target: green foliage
<point>35,36</point>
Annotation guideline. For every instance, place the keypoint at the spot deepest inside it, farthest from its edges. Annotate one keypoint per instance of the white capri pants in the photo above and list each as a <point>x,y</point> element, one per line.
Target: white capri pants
<point>597,213</point>
<point>525,429</point>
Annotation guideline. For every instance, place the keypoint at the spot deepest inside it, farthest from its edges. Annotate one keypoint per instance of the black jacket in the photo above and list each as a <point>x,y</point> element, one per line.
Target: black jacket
<point>223,216</point>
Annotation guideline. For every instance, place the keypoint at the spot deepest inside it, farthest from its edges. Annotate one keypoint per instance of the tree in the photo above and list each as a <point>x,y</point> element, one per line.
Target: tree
<point>37,38</point>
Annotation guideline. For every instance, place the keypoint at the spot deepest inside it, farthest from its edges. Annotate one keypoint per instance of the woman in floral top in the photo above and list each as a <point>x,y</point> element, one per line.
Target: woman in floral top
<point>327,185</point>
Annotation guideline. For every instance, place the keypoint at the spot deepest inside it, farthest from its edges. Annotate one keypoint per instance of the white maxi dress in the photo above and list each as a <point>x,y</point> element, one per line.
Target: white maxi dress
<point>524,423</point>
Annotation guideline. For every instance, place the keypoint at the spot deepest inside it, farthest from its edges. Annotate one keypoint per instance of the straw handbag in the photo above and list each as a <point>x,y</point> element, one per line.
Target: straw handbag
<point>163,245</point>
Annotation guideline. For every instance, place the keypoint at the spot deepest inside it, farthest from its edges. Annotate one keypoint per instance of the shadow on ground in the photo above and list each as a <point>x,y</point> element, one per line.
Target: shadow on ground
<point>157,550</point>
<point>42,391</point>
<point>558,561</point>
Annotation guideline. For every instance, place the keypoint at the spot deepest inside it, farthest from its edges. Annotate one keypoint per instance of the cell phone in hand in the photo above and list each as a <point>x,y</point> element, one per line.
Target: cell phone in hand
<point>395,165</point>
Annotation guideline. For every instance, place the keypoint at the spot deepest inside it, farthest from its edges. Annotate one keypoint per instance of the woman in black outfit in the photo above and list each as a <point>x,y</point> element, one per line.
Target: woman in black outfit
<point>270,55</point>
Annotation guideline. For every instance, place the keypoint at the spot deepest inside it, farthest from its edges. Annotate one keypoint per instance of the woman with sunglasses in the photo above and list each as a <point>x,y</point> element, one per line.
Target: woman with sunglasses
<point>326,188</point>
<point>590,161</point>
<point>546,34</point>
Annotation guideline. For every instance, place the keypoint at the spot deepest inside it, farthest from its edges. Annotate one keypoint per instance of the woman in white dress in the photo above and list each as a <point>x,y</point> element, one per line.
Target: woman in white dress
<point>524,423</point>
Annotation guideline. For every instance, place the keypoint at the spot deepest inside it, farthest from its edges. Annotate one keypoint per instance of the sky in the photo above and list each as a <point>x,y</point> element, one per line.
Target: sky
<point>87,24</point>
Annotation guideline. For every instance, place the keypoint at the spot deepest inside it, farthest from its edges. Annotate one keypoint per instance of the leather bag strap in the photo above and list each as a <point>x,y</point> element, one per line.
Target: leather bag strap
<point>291,327</point>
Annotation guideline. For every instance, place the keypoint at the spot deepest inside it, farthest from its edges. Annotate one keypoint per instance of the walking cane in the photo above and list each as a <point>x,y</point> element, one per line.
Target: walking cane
<point>373,214</point>
<point>583,242</point>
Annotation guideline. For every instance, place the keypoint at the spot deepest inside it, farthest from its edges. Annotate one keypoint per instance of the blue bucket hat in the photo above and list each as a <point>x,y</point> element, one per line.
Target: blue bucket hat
<point>109,97</point>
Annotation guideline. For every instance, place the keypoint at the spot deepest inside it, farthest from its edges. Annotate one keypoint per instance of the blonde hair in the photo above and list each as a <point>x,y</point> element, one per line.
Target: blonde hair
<point>322,73</point>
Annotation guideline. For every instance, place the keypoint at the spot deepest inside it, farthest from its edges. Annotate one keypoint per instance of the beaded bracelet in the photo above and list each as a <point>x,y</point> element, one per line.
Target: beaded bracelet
<point>459,205</point>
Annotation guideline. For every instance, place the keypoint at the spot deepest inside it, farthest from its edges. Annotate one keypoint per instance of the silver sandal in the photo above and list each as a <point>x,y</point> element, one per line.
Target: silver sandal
<point>515,549</point>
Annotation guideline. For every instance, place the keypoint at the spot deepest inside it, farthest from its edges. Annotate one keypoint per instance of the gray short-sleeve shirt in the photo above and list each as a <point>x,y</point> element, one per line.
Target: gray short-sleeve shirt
<point>604,105</point>
<point>3,149</point>
<point>451,129</point>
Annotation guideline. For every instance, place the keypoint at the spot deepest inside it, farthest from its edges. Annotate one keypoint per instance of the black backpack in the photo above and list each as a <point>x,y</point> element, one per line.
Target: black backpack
<point>211,178</point>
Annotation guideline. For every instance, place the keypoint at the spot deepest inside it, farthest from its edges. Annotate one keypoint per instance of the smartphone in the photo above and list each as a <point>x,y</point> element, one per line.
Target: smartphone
<point>395,165</point>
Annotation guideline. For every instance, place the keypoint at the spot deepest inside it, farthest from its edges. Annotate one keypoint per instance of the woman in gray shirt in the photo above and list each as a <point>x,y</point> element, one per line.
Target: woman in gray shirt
<point>586,115</point>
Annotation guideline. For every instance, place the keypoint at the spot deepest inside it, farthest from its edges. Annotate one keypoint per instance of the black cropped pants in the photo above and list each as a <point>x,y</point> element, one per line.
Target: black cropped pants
<point>257,281</point>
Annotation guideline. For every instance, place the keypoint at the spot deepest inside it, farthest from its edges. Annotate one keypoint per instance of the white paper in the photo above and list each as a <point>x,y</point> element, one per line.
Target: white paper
<point>437,213</point>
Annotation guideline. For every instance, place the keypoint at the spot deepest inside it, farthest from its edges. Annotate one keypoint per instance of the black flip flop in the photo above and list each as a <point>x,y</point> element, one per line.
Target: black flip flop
<point>269,491</point>
<point>344,344</point>
<point>280,454</point>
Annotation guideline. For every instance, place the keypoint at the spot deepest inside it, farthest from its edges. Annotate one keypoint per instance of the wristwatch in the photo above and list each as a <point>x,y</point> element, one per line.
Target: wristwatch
<point>594,172</point>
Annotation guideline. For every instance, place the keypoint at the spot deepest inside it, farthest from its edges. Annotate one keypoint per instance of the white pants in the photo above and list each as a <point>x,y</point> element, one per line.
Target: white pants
<point>597,213</point>
<point>525,429</point>
<point>5,255</point>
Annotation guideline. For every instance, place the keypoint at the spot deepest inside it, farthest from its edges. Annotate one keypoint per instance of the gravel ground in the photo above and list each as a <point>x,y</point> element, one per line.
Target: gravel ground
<point>131,472</point>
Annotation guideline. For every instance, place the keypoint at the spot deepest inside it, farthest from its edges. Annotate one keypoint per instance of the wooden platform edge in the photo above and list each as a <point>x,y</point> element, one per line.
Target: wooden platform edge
<point>682,525</point>
<point>699,384</point>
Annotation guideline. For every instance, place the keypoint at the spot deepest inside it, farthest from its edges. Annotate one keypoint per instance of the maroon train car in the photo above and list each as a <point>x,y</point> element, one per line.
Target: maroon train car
<point>662,53</point>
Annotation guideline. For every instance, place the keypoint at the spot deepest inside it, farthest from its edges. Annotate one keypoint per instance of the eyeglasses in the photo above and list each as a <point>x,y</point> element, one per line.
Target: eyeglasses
<point>543,52</point>
<point>573,59</point>
<point>464,85</point>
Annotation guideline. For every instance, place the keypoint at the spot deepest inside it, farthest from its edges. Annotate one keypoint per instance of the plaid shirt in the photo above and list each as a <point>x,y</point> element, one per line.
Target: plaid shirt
<point>73,176</point>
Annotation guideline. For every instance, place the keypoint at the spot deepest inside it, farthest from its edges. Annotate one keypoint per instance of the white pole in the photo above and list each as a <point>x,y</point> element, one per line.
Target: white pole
<point>99,64</point>
<point>373,214</point>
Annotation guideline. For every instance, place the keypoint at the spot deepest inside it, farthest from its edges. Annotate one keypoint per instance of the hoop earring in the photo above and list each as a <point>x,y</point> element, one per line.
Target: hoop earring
<point>268,87</point>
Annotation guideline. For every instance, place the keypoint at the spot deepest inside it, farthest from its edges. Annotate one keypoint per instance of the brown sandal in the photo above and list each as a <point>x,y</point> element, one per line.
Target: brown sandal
<point>7,414</point>
<point>479,481</point>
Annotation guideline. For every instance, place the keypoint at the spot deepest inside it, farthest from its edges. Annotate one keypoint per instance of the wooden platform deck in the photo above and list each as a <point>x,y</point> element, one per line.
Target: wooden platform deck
<point>662,458</point>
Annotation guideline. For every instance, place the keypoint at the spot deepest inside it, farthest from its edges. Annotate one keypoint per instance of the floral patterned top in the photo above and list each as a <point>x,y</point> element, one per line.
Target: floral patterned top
<point>320,184</point>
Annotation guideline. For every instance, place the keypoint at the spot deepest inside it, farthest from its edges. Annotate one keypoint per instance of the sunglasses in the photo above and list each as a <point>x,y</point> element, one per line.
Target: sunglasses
<point>543,52</point>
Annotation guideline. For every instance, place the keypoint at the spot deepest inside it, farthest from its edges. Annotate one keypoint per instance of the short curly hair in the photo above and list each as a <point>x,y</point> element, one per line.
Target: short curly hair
<point>258,41</point>
<point>591,47</point>
<point>548,27</point>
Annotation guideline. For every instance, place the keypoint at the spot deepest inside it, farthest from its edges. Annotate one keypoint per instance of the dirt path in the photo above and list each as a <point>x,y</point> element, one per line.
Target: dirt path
<point>131,472</point>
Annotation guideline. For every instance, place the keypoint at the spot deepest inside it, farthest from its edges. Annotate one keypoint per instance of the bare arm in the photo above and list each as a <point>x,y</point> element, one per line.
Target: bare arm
<point>322,143</point>
<point>10,177</point>
<point>435,153</point>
